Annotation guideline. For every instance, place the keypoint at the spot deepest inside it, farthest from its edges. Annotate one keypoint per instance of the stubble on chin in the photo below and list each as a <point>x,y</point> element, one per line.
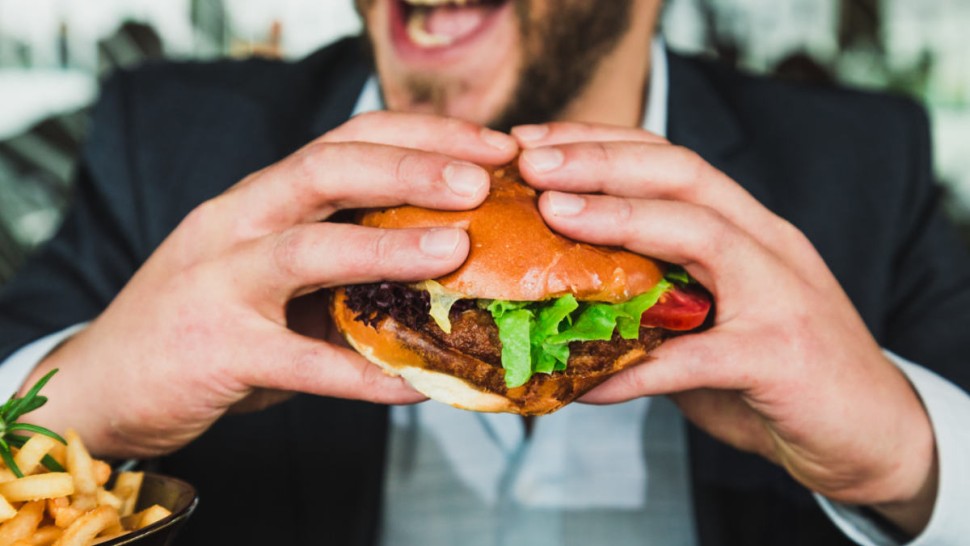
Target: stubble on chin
<point>560,50</point>
<point>424,90</point>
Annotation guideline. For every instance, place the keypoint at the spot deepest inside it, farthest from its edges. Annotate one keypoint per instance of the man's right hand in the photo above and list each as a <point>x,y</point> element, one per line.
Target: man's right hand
<point>202,327</point>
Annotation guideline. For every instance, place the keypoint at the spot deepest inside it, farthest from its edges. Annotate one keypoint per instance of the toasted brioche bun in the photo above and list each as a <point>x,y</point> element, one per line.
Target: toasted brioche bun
<point>513,256</point>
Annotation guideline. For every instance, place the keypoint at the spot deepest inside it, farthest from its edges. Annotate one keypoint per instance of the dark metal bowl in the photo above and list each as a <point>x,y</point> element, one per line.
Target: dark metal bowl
<point>172,493</point>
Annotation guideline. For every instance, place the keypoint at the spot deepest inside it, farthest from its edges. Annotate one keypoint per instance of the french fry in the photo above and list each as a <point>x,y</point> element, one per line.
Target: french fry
<point>102,472</point>
<point>145,518</point>
<point>66,517</point>
<point>61,511</point>
<point>105,537</point>
<point>105,498</point>
<point>127,487</point>
<point>38,486</point>
<point>80,466</point>
<point>7,475</point>
<point>59,453</point>
<point>152,514</point>
<point>88,526</point>
<point>7,510</point>
<point>29,456</point>
<point>57,503</point>
<point>67,508</point>
<point>45,536</point>
<point>23,524</point>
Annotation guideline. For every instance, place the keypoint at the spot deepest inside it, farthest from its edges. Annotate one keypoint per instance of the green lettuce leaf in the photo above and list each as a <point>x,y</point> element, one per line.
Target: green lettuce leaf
<point>536,335</point>
<point>549,322</point>
<point>514,324</point>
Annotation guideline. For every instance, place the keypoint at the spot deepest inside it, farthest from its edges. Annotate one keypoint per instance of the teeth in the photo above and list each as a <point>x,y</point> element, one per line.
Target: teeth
<point>420,36</point>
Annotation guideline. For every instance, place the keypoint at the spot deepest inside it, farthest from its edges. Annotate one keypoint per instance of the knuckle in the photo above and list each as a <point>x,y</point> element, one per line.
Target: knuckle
<point>793,236</point>
<point>355,127</point>
<point>570,127</point>
<point>455,126</point>
<point>308,184</point>
<point>633,382</point>
<point>693,166</point>
<point>372,380</point>
<point>289,252</point>
<point>601,152</point>
<point>311,159</point>
<point>411,167</point>
<point>560,127</point>
<point>623,217</point>
<point>206,214</point>
<point>718,233</point>
<point>193,279</point>
<point>376,117</point>
<point>623,212</point>
<point>381,247</point>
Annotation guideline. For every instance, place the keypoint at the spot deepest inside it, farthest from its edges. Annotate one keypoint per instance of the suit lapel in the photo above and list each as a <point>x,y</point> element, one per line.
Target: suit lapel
<point>698,116</point>
<point>341,86</point>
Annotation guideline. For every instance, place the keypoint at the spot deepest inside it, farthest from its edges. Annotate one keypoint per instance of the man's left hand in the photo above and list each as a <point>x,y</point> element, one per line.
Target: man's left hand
<point>788,370</point>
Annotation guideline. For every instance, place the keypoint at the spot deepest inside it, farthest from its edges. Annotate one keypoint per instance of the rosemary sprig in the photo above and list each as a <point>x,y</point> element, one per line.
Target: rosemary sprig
<point>12,410</point>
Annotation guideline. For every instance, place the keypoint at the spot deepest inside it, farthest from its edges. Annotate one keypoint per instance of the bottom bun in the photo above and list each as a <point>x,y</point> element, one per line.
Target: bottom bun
<point>463,381</point>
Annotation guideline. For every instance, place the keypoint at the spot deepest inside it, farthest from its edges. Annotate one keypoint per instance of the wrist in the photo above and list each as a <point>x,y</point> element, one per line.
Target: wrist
<point>912,489</point>
<point>69,402</point>
<point>912,515</point>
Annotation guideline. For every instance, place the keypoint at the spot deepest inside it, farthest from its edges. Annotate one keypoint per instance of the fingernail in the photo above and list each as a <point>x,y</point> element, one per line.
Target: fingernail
<point>565,204</point>
<point>529,133</point>
<point>497,140</point>
<point>440,243</point>
<point>465,179</point>
<point>543,159</point>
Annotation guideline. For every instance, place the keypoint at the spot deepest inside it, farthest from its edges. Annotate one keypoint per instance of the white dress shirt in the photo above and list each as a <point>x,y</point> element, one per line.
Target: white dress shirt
<point>591,460</point>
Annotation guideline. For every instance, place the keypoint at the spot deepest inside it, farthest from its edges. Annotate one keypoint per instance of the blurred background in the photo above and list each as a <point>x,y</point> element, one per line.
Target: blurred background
<point>54,52</point>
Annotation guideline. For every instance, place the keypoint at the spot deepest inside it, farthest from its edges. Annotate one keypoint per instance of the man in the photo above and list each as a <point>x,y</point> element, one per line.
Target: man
<point>223,315</point>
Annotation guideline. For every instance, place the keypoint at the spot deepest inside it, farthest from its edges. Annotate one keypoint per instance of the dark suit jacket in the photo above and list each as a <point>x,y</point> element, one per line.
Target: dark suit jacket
<point>851,170</point>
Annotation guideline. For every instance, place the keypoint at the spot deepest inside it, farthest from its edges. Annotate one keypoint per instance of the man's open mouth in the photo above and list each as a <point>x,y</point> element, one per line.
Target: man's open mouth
<point>430,25</point>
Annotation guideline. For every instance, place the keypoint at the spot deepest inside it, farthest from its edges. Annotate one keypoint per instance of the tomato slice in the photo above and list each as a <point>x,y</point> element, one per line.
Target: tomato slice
<point>678,309</point>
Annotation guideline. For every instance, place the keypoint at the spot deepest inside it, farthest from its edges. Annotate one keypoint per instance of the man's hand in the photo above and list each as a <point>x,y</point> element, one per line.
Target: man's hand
<point>205,325</point>
<point>789,370</point>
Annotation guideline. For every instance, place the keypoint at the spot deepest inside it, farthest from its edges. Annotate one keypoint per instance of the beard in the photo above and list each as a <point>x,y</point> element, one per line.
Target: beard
<point>561,52</point>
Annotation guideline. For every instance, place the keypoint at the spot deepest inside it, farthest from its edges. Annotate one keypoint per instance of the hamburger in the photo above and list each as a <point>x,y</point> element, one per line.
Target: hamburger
<point>531,321</point>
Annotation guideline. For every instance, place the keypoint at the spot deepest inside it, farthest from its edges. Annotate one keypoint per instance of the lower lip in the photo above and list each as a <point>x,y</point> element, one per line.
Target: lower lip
<point>411,52</point>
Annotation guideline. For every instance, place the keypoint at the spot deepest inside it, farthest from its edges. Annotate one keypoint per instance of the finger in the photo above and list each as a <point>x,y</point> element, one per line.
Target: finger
<point>662,171</point>
<point>637,169</point>
<point>728,416</point>
<point>561,132</point>
<point>322,178</point>
<point>702,375</point>
<point>312,256</point>
<point>259,400</point>
<point>449,136</point>
<point>686,363</point>
<point>300,364</point>
<point>714,251</point>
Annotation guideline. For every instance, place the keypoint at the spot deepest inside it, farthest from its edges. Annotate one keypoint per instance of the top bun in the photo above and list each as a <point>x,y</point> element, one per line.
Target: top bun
<point>515,256</point>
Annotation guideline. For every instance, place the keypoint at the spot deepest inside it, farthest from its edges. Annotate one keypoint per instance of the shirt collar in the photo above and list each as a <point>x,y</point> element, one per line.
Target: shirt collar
<point>654,113</point>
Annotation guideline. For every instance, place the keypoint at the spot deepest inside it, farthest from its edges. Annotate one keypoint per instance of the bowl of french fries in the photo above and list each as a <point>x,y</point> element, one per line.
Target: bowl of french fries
<point>53,492</point>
